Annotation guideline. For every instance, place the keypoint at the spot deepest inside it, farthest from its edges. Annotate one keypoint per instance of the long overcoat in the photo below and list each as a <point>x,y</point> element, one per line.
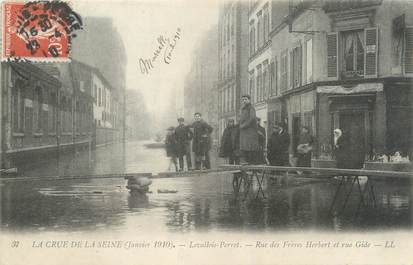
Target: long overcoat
<point>248,129</point>
<point>201,141</point>
<point>183,137</point>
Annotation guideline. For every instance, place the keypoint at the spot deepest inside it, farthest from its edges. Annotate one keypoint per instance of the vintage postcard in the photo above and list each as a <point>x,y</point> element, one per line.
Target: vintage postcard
<point>206,132</point>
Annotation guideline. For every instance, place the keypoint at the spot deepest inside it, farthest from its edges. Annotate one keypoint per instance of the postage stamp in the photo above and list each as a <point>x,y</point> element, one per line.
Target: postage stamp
<point>38,30</point>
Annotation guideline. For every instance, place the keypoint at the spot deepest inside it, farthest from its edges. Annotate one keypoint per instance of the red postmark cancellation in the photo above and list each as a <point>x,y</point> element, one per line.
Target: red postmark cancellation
<point>39,30</point>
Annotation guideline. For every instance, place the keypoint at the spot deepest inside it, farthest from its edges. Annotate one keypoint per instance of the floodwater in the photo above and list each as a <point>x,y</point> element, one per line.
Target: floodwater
<point>202,203</point>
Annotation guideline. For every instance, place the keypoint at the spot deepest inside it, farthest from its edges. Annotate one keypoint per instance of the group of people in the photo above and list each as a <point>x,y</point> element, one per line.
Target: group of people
<point>178,144</point>
<point>245,142</point>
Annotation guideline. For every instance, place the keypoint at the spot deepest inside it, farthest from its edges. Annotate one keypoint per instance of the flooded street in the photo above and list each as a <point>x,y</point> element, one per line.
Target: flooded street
<point>202,203</point>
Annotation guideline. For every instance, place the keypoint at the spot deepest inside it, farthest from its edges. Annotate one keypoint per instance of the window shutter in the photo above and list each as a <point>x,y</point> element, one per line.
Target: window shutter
<point>408,54</point>
<point>332,60</point>
<point>370,54</point>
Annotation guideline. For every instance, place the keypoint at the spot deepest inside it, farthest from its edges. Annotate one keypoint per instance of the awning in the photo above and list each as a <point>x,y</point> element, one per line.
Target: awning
<point>353,89</point>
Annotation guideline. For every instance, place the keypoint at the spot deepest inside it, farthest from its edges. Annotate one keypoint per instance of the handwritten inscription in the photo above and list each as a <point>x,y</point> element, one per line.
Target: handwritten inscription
<point>166,46</point>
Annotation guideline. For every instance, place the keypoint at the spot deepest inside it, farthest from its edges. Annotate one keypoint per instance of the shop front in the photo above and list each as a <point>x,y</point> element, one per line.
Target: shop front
<point>359,111</point>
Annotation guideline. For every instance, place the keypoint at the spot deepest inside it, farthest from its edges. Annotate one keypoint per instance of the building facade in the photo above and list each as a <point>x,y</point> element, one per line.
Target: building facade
<point>344,65</point>
<point>43,112</point>
<point>107,111</point>
<point>233,60</point>
<point>260,55</point>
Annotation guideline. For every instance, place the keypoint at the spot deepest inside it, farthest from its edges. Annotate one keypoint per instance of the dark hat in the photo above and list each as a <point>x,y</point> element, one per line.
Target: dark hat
<point>181,119</point>
<point>246,96</point>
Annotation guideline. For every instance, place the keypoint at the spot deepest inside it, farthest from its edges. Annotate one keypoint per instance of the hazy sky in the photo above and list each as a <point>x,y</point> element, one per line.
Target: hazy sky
<point>140,23</point>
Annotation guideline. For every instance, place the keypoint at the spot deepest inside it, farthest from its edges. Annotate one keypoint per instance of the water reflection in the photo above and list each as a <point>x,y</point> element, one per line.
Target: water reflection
<point>203,203</point>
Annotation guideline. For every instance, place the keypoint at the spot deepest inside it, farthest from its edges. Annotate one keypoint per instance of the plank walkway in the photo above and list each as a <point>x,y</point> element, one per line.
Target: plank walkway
<point>323,172</point>
<point>115,176</point>
<point>315,173</point>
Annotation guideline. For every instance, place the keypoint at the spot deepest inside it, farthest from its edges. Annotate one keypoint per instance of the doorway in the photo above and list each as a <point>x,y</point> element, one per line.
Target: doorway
<point>352,125</point>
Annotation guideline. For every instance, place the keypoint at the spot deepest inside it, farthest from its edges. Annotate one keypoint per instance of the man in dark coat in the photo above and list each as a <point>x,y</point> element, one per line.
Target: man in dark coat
<point>278,145</point>
<point>261,141</point>
<point>183,137</point>
<point>230,142</point>
<point>248,131</point>
<point>201,141</point>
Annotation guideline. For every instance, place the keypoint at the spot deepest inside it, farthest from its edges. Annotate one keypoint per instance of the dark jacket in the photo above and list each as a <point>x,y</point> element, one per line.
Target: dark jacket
<point>229,141</point>
<point>183,137</point>
<point>170,145</point>
<point>277,149</point>
<point>248,129</point>
<point>201,141</point>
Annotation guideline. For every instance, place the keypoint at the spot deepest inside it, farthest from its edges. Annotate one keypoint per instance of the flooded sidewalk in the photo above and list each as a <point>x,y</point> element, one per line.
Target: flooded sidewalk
<point>201,203</point>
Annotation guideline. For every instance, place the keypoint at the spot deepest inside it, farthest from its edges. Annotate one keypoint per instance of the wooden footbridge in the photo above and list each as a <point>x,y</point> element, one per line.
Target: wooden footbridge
<point>347,179</point>
<point>244,175</point>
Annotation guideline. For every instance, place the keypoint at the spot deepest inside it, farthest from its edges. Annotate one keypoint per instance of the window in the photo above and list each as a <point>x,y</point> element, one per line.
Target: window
<point>283,71</point>
<point>357,56</point>
<point>265,81</point>
<point>252,40</point>
<point>229,61</point>
<point>296,67</point>
<point>37,112</point>
<point>408,54</point>
<point>222,101</point>
<point>266,23</point>
<point>252,86</point>
<point>28,111</point>
<point>95,95</point>
<point>228,29</point>
<point>52,113</point>
<point>309,61</point>
<point>259,30</point>
<point>259,83</point>
<point>100,96</point>
<point>233,98</point>
<point>18,107</point>
<point>274,77</point>
<point>45,113</point>
<point>353,53</point>
<point>227,98</point>
<point>232,25</point>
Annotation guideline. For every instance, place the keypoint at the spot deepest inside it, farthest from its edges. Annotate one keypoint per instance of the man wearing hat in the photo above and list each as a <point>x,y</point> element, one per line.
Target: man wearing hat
<point>183,138</point>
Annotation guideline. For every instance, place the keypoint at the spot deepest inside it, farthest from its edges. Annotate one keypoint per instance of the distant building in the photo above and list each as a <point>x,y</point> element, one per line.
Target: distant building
<point>105,52</point>
<point>232,59</point>
<point>200,91</point>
